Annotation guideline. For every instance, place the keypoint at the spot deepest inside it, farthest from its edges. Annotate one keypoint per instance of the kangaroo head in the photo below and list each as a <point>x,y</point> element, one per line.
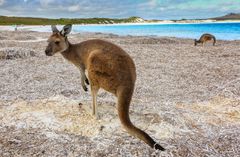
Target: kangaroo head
<point>58,42</point>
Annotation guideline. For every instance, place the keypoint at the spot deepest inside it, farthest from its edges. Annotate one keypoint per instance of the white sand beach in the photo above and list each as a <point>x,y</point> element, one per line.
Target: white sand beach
<point>187,97</point>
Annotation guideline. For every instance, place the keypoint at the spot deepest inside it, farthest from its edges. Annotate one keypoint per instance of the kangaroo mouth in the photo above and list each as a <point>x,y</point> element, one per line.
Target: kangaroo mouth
<point>48,53</point>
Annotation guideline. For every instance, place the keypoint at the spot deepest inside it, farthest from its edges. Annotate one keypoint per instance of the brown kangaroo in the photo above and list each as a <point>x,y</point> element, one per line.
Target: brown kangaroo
<point>108,66</point>
<point>204,38</point>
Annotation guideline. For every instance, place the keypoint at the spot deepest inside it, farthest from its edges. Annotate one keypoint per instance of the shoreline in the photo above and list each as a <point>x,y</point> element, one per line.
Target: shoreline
<point>153,23</point>
<point>112,34</point>
<point>139,23</point>
<point>76,30</point>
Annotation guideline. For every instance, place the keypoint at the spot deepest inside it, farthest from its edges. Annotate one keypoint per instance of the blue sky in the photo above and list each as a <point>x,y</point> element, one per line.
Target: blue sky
<point>148,9</point>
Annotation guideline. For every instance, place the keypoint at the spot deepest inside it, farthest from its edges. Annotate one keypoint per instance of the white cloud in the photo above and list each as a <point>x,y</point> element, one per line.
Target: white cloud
<point>45,3</point>
<point>74,8</point>
<point>149,9</point>
<point>1,2</point>
<point>152,3</point>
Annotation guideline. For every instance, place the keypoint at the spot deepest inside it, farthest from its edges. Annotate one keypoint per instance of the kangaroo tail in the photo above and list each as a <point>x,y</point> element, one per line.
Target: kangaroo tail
<point>214,40</point>
<point>124,98</point>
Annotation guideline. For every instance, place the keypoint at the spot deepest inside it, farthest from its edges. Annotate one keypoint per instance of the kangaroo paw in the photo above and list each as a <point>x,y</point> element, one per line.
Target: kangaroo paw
<point>85,88</point>
<point>87,82</point>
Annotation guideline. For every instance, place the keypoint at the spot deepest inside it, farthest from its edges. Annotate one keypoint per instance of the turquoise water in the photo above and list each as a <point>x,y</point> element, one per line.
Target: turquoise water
<point>226,31</point>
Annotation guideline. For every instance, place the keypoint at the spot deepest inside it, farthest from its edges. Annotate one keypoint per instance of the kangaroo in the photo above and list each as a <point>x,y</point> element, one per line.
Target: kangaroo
<point>109,67</point>
<point>204,38</point>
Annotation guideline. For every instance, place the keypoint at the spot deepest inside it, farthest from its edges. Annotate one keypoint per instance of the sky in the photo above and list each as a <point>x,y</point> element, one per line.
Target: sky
<point>147,9</point>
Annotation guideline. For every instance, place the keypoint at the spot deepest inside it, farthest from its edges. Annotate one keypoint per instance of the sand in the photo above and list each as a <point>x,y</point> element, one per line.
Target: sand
<point>187,97</point>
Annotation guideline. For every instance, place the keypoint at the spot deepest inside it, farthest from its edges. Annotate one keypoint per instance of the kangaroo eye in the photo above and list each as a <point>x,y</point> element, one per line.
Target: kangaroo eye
<point>57,42</point>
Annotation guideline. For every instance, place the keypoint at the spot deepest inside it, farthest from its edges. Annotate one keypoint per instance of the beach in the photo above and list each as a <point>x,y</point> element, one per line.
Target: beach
<point>225,30</point>
<point>187,97</point>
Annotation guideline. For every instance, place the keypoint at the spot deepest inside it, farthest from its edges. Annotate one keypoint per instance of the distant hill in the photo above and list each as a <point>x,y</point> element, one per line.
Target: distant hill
<point>231,16</point>
<point>5,20</point>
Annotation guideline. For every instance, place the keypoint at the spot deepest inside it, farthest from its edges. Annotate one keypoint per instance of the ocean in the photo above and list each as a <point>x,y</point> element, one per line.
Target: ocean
<point>224,31</point>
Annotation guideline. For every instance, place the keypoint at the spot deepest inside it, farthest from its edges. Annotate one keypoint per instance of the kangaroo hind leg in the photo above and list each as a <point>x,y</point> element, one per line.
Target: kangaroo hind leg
<point>94,91</point>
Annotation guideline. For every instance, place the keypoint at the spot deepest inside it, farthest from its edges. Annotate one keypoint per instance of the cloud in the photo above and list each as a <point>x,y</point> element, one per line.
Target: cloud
<point>149,9</point>
<point>45,3</point>
<point>1,2</point>
<point>74,8</point>
<point>153,3</point>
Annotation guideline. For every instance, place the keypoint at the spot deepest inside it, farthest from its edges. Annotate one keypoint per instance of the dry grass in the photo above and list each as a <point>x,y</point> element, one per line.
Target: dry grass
<point>186,97</point>
<point>16,52</point>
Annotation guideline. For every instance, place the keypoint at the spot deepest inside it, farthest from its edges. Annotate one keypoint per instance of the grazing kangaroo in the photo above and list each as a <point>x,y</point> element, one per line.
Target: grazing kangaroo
<point>204,38</point>
<point>108,66</point>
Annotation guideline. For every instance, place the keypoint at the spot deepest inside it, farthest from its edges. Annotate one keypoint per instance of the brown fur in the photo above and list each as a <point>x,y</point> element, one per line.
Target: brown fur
<point>109,67</point>
<point>204,38</point>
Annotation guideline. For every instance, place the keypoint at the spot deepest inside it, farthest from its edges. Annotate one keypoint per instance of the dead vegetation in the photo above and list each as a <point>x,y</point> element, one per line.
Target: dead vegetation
<point>186,97</point>
<point>16,52</point>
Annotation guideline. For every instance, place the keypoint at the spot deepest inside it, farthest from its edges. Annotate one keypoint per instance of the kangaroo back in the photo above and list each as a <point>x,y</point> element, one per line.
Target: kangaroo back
<point>204,38</point>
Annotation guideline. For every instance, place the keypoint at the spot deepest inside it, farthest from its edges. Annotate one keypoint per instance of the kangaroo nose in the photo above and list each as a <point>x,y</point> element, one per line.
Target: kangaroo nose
<point>47,52</point>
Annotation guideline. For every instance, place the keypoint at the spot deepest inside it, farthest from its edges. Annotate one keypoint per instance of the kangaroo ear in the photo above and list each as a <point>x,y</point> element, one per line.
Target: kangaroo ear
<point>54,29</point>
<point>66,30</point>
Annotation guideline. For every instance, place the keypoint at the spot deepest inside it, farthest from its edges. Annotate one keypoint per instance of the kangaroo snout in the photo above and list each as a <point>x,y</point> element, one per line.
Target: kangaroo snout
<point>48,53</point>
